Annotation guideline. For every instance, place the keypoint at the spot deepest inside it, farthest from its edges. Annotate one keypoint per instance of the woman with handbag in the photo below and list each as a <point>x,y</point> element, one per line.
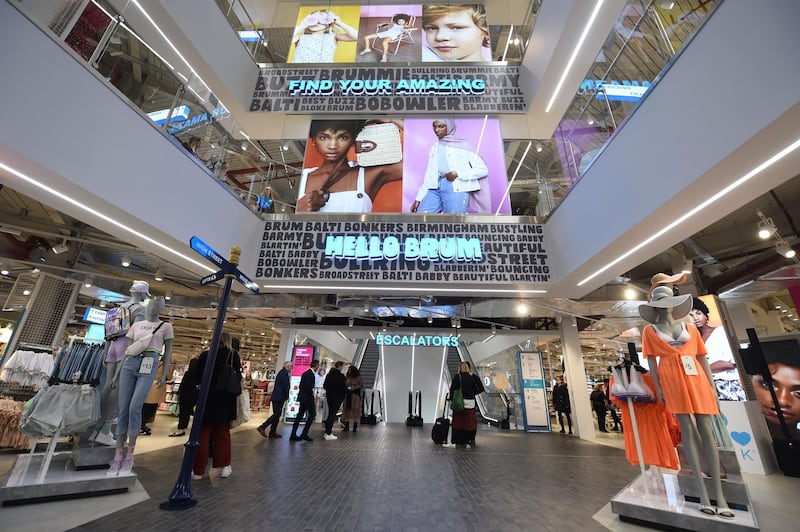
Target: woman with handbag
<point>351,408</point>
<point>465,425</point>
<point>337,184</point>
<point>220,408</point>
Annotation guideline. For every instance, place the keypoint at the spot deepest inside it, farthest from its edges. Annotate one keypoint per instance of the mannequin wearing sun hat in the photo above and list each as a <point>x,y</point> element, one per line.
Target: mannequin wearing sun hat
<point>113,354</point>
<point>682,377</point>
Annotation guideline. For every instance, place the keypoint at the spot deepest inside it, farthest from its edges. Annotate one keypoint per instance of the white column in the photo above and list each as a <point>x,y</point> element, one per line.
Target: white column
<point>582,422</point>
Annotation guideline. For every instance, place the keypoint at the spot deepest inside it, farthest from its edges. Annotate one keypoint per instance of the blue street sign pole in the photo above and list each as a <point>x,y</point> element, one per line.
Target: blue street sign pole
<point>181,496</point>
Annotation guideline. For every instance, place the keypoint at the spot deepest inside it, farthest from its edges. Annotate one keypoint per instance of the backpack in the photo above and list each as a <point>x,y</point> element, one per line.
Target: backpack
<point>118,321</point>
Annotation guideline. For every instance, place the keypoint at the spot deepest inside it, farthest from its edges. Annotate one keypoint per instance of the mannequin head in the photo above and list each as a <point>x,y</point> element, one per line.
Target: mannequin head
<point>140,290</point>
<point>154,308</point>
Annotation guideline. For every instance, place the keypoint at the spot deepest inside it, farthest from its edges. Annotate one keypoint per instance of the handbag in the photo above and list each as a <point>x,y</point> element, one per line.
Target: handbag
<point>242,410</point>
<point>228,379</point>
<point>379,144</point>
<point>137,347</point>
<point>458,398</point>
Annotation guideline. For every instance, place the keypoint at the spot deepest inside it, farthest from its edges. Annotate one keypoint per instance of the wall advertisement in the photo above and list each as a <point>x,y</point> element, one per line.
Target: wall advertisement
<point>302,355</point>
<point>418,254</point>
<point>408,90</point>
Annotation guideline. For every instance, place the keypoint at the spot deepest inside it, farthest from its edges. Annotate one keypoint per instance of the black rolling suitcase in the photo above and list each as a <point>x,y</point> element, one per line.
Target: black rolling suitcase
<point>371,418</point>
<point>441,427</point>
<point>414,418</point>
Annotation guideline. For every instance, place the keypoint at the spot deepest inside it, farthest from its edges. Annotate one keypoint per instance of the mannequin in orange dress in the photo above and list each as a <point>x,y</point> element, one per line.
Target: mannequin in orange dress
<point>683,380</point>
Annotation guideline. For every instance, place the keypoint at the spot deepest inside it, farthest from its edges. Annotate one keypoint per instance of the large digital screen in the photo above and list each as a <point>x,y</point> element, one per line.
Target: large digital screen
<point>436,165</point>
<point>302,355</point>
<point>391,34</point>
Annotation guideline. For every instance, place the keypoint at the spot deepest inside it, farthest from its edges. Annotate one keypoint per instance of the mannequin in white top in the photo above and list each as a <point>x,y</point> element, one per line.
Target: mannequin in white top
<point>135,379</point>
<point>116,343</point>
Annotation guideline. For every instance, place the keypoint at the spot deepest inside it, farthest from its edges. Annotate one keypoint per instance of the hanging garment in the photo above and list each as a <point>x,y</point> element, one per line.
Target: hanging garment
<point>684,392</point>
<point>656,429</point>
<point>628,383</point>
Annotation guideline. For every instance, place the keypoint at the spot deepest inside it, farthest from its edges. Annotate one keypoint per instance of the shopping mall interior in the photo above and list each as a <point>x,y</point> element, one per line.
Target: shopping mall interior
<point>637,137</point>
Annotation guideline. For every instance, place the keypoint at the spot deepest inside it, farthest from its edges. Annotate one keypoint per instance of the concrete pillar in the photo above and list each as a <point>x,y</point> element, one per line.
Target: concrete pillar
<point>742,319</point>
<point>575,373</point>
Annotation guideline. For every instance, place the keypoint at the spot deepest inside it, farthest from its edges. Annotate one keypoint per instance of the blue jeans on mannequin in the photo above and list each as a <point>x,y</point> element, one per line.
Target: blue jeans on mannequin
<point>133,388</point>
<point>444,199</point>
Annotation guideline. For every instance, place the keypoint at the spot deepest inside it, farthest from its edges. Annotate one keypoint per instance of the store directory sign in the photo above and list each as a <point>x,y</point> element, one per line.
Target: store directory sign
<point>535,410</point>
<point>302,355</point>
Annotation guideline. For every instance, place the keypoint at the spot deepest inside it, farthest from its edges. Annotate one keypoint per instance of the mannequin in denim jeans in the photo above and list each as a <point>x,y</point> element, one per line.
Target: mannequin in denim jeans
<point>135,379</point>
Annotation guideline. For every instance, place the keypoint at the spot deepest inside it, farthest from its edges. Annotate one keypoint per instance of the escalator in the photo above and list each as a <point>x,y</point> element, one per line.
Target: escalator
<point>369,364</point>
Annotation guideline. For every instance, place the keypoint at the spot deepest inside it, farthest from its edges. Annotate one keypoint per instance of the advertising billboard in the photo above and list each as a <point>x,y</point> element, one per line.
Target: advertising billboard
<point>358,166</point>
<point>391,33</point>
<point>302,355</point>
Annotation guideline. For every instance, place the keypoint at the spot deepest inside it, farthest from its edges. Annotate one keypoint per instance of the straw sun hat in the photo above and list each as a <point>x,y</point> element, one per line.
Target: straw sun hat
<point>660,297</point>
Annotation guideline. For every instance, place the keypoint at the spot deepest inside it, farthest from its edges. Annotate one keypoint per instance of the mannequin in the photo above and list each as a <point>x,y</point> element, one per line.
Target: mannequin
<point>683,381</point>
<point>135,379</point>
<point>114,352</point>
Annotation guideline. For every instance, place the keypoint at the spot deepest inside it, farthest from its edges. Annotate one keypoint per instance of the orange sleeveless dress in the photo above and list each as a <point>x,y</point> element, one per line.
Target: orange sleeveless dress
<point>683,394</point>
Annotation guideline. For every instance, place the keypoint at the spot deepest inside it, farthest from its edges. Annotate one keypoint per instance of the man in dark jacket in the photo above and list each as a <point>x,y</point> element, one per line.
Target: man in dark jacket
<point>305,396</point>
<point>280,393</point>
<point>335,390</point>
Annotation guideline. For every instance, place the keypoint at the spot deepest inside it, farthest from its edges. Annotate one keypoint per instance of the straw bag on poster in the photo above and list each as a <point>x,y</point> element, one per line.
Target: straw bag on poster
<point>378,144</point>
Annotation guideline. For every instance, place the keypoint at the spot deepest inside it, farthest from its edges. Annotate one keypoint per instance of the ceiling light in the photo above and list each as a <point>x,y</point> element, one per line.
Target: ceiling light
<point>88,281</point>
<point>126,260</point>
<point>522,308</point>
<point>698,208</point>
<point>26,292</point>
<point>766,228</point>
<point>630,293</point>
<point>3,270</point>
<point>244,146</point>
<point>591,121</point>
<point>539,147</point>
<point>35,270</point>
<point>319,318</point>
<point>102,304</point>
<point>430,319</point>
<point>159,276</point>
<point>350,321</point>
<point>785,249</point>
<point>168,296</point>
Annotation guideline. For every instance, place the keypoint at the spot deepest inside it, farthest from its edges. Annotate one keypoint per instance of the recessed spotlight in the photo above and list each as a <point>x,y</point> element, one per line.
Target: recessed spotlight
<point>159,275</point>
<point>126,261</point>
<point>785,249</point>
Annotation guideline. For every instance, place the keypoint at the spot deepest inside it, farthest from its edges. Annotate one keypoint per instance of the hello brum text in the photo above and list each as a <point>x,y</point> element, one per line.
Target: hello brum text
<point>358,87</point>
<point>390,247</point>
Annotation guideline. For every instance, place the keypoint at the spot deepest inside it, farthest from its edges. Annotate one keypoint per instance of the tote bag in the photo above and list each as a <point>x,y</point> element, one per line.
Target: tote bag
<point>458,398</point>
<point>228,379</point>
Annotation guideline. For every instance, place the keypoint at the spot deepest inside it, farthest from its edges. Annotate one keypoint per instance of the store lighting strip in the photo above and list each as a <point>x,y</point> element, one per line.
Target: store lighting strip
<point>102,216</point>
<point>404,289</point>
<point>574,56</point>
<point>174,49</point>
<point>719,195</point>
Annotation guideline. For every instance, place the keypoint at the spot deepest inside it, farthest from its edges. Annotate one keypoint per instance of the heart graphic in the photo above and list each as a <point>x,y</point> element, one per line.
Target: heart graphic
<point>742,438</point>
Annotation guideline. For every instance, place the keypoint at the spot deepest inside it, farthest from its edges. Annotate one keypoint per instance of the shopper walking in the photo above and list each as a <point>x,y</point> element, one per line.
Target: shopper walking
<point>598,399</point>
<point>335,390</point>
<point>187,398</point>
<point>561,403</point>
<point>611,409</point>
<point>465,423</point>
<point>352,401</point>
<point>280,393</point>
<point>219,412</point>
<point>305,396</point>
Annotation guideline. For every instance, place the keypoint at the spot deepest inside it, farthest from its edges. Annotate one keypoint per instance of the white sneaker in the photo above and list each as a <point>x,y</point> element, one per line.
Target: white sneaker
<point>330,437</point>
<point>105,439</point>
<point>226,471</point>
<point>197,477</point>
<point>449,445</point>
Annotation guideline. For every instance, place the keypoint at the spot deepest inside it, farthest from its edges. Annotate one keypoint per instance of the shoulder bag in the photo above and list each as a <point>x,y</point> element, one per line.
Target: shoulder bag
<point>458,397</point>
<point>228,378</point>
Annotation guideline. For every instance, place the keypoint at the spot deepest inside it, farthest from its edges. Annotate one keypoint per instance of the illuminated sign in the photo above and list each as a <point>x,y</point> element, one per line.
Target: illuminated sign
<point>625,90</point>
<point>493,254</point>
<point>179,113</point>
<point>198,119</point>
<point>477,88</point>
<point>425,340</point>
<point>94,315</point>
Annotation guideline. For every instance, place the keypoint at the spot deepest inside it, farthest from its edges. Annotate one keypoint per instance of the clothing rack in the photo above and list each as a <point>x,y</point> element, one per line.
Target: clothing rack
<point>77,363</point>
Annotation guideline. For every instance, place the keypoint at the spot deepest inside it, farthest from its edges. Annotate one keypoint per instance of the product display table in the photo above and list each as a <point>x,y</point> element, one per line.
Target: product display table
<point>60,482</point>
<point>655,499</point>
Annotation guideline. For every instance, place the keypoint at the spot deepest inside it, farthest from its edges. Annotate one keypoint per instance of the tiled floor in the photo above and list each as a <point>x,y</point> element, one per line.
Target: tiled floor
<point>388,477</point>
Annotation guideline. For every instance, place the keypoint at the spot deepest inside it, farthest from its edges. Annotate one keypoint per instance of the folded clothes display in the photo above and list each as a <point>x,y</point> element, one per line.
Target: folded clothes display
<point>28,368</point>
<point>10,416</point>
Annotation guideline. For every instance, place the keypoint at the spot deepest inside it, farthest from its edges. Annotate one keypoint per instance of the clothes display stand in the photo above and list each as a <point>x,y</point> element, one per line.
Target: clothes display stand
<point>658,497</point>
<point>68,404</point>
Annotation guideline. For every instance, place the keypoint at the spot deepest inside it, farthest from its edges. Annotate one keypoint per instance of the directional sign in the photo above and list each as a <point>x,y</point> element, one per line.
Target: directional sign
<point>214,257</point>
<point>226,267</point>
<point>213,278</point>
<point>246,281</point>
